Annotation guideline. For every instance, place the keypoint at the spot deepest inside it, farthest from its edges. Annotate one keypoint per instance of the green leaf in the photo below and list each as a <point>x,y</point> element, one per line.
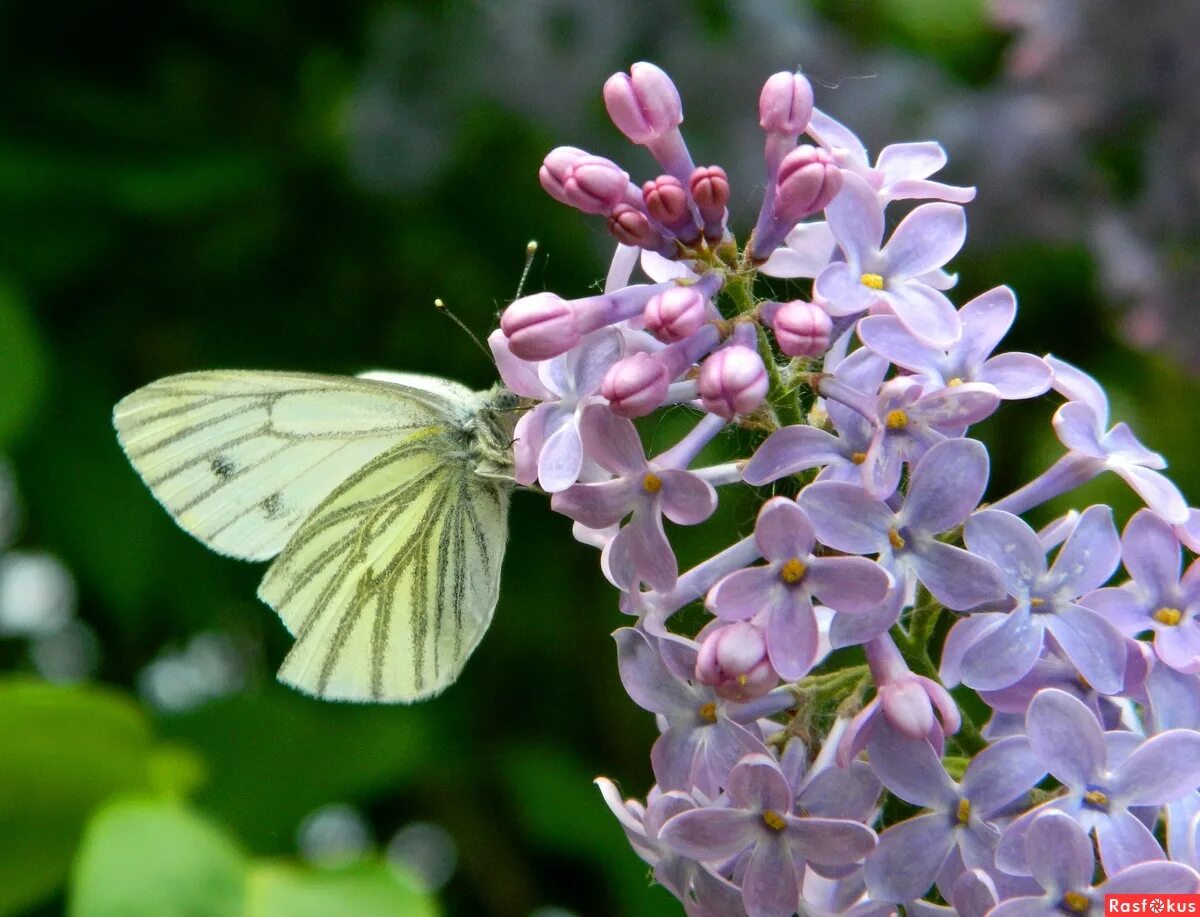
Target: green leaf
<point>142,858</point>
<point>371,889</point>
<point>22,366</point>
<point>65,750</point>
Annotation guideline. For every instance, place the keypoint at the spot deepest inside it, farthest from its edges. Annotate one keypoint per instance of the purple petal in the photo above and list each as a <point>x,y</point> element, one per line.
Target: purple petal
<point>1165,768</point>
<point>1151,552</point>
<point>960,638</point>
<point>1092,644</point>
<point>848,584</point>
<point>836,792</point>
<point>710,835</point>
<point>645,678</point>
<point>1016,375</point>
<point>908,857</point>
<point>885,335</point>
<point>770,887</point>
<point>985,320</point>
<point>744,593</point>
<point>792,636</point>
<point>1066,738</point>
<point>1002,656</point>
<point>1157,491</point>
<point>561,458</point>
<point>838,138</point>
<point>911,769</point>
<point>1153,879</point>
<point>856,218</point>
<point>650,552</point>
<point>974,894</point>
<point>946,486</point>
<point>1076,385</point>
<point>612,441</point>
<point>804,252</point>
<point>1179,647</point>
<point>1123,841</point>
<point>673,757</point>
<point>1010,544</point>
<point>845,517</point>
<point>1025,907</point>
<point>926,239</point>
<point>829,841</point>
<point>585,364</point>
<point>925,312</point>
<point>860,627</point>
<point>957,578</point>
<point>1000,773</point>
<point>722,745</point>
<point>520,377</point>
<point>1078,428</point>
<point>528,436</point>
<point>957,407</point>
<point>687,499</point>
<point>1174,699</point>
<point>910,160</point>
<point>840,290</point>
<point>783,531</point>
<point>1059,853</point>
<point>1091,553</point>
<point>791,450</point>
<point>757,783</point>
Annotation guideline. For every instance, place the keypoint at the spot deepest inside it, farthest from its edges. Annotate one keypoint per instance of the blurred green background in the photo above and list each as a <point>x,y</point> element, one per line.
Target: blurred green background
<point>261,184</point>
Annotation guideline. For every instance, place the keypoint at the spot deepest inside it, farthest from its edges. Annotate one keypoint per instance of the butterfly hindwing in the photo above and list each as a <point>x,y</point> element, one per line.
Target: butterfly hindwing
<point>241,458</point>
<point>392,581</point>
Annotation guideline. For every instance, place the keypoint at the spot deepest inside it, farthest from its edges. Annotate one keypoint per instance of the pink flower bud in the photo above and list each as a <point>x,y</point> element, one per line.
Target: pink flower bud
<point>592,184</point>
<point>785,104</point>
<point>733,381</point>
<point>636,385</point>
<point>710,189</point>
<point>907,706</point>
<point>676,313</point>
<point>733,660</point>
<point>802,329</point>
<point>540,326</point>
<point>644,105</point>
<point>667,201</point>
<point>632,227</point>
<point>808,180</point>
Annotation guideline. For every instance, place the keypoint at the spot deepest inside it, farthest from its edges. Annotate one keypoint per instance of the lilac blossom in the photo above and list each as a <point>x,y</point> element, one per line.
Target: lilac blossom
<point>1059,855</point>
<point>985,320</point>
<point>1082,426</point>
<point>644,491</point>
<point>890,276</point>
<point>911,853</point>
<point>945,488</point>
<point>1105,776</point>
<point>1158,598</point>
<point>759,817</point>
<point>1004,646</point>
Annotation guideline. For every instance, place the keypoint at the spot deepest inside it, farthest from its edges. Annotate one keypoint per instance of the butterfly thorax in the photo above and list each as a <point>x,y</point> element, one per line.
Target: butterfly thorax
<point>486,433</point>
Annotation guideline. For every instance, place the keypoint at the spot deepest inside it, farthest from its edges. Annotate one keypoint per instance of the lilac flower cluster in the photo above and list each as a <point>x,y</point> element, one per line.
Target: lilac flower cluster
<point>790,777</point>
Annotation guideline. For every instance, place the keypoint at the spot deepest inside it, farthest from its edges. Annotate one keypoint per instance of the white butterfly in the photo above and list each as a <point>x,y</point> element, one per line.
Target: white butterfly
<point>385,497</point>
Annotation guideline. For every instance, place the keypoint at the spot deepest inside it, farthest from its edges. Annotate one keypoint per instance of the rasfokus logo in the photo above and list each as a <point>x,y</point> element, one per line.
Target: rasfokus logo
<point>1152,904</point>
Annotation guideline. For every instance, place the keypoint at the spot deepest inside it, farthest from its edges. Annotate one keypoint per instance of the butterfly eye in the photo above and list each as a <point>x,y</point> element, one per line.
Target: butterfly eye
<point>504,400</point>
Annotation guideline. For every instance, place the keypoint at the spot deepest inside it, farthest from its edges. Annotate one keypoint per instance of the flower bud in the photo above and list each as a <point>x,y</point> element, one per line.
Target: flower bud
<point>808,180</point>
<point>710,190</point>
<point>632,227</point>
<point>802,329</point>
<point>636,385</point>
<point>907,706</point>
<point>667,202</point>
<point>644,104</point>
<point>676,313</point>
<point>733,660</point>
<point>785,104</point>
<point>540,326</point>
<point>733,381</point>
<point>592,184</point>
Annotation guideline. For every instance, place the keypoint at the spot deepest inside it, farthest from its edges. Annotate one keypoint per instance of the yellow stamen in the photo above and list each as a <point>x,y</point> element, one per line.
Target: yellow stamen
<point>793,571</point>
<point>774,820</point>
<point>858,457</point>
<point>708,712</point>
<point>1168,616</point>
<point>953,382</point>
<point>874,281</point>
<point>895,540</point>
<point>1083,683</point>
<point>896,420</point>
<point>742,681</point>
<point>1076,902</point>
<point>1035,602</point>
<point>652,483</point>
<point>964,811</point>
<point>1096,798</point>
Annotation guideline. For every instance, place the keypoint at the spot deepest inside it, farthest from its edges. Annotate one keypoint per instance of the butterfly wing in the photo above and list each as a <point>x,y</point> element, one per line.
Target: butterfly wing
<point>241,458</point>
<point>390,585</point>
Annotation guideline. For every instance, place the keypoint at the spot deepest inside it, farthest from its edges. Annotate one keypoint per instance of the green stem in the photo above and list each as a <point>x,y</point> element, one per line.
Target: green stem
<point>968,738</point>
<point>922,622</point>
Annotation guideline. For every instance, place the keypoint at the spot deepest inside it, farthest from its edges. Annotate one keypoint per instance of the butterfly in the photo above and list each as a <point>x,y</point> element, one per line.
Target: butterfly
<point>383,499</point>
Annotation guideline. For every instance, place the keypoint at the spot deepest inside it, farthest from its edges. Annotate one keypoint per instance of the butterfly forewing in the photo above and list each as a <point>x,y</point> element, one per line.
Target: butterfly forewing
<point>391,583</point>
<point>241,458</point>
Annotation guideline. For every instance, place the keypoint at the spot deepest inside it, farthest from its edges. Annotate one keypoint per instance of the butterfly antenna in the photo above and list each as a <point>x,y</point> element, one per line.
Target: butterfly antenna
<point>441,307</point>
<point>530,253</point>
